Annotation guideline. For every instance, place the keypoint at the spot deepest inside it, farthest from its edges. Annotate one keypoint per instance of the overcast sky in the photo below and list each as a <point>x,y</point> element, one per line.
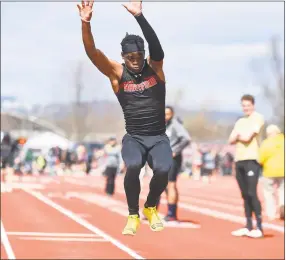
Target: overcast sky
<point>209,49</point>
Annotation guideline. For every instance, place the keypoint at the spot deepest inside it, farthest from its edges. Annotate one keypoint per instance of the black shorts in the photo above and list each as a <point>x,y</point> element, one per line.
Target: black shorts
<point>175,169</point>
<point>156,150</point>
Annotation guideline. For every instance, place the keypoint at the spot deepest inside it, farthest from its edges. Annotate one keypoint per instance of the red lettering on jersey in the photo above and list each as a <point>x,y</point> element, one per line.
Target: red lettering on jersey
<point>130,86</point>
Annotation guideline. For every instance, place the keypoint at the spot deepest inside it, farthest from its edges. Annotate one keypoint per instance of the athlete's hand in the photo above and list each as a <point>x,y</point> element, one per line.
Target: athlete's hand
<point>134,7</point>
<point>85,10</point>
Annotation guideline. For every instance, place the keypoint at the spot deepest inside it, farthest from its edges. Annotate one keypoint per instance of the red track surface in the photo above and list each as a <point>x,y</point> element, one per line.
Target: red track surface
<point>96,221</point>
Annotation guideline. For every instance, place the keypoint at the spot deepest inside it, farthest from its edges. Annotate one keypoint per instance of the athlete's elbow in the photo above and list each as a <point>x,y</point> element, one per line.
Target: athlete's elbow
<point>156,53</point>
<point>90,51</point>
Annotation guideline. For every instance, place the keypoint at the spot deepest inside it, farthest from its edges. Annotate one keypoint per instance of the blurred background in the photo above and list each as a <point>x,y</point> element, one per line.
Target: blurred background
<point>57,110</point>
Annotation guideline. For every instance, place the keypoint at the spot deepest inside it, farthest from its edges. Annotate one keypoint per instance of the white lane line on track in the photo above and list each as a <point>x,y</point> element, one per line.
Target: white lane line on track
<point>65,239</point>
<point>83,223</point>
<point>6,243</point>
<point>44,234</point>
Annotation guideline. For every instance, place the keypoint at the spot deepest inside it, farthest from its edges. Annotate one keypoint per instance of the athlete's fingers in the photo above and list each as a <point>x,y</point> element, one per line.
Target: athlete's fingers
<point>82,3</point>
<point>79,7</point>
<point>91,3</point>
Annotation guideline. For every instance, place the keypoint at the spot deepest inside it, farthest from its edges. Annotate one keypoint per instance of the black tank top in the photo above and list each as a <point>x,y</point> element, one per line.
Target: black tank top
<point>142,98</point>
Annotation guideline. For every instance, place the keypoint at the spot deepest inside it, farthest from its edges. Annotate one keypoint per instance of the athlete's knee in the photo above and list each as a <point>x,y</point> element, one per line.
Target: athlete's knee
<point>132,173</point>
<point>161,168</point>
<point>133,166</point>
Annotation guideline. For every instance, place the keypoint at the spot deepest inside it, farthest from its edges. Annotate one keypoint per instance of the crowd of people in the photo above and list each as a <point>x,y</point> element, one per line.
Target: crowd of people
<point>196,158</point>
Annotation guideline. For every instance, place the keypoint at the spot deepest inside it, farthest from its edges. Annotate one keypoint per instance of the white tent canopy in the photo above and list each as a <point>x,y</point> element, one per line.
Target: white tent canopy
<point>47,140</point>
<point>2,136</point>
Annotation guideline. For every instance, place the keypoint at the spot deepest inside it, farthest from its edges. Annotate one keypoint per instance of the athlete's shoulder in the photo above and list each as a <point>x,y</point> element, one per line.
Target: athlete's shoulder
<point>125,74</point>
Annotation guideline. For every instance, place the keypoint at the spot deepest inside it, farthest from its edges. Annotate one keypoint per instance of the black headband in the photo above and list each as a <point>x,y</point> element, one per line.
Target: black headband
<point>132,47</point>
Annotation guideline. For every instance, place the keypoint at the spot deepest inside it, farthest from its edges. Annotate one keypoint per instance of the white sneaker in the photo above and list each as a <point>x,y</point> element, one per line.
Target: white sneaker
<point>240,232</point>
<point>255,233</point>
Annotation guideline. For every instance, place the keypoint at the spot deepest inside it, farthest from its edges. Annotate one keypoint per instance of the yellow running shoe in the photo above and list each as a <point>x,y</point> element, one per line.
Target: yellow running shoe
<point>132,225</point>
<point>154,220</point>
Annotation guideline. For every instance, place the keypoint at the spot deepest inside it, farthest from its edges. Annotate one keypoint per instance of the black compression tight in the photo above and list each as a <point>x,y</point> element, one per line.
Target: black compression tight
<point>135,155</point>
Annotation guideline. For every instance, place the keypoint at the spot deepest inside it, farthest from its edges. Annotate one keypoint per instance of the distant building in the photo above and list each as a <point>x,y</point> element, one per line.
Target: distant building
<point>23,125</point>
<point>12,104</point>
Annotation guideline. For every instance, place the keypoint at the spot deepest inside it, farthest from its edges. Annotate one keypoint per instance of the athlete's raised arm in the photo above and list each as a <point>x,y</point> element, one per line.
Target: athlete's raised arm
<point>155,49</point>
<point>108,67</point>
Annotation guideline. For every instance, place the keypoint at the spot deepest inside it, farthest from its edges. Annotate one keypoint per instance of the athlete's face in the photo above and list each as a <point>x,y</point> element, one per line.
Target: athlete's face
<point>168,114</point>
<point>134,61</point>
<point>247,107</point>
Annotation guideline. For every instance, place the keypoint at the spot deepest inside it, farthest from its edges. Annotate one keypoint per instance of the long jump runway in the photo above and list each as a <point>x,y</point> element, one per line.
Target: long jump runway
<point>71,217</point>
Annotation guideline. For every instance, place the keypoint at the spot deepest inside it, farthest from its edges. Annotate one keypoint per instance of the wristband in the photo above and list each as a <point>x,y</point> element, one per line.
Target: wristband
<point>85,20</point>
<point>138,14</point>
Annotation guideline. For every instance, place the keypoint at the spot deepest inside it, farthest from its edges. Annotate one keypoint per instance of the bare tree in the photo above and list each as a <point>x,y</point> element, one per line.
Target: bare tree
<point>276,95</point>
<point>273,92</point>
<point>203,128</point>
<point>81,111</point>
<point>178,97</point>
